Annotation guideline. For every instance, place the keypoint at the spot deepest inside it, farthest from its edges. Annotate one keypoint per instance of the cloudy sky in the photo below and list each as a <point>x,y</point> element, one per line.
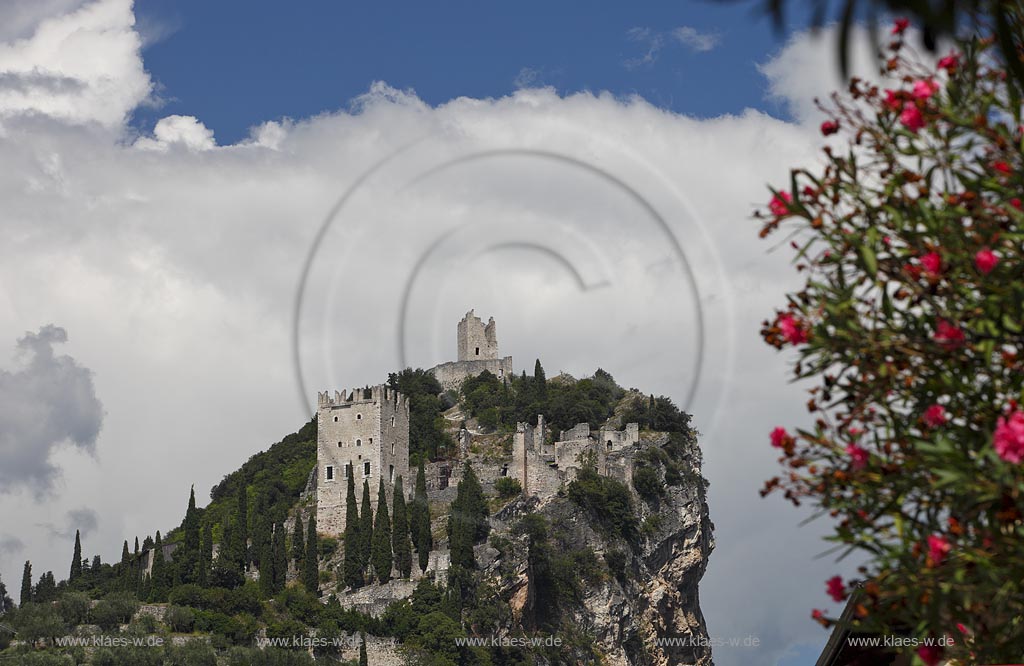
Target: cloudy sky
<point>209,214</point>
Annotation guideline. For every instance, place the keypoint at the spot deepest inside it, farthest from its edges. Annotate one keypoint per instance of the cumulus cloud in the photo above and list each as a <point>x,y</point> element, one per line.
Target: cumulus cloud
<point>49,403</point>
<point>187,131</point>
<point>82,66</point>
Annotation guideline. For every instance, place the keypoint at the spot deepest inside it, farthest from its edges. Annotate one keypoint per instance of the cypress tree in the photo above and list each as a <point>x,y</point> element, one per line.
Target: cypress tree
<point>381,551</point>
<point>353,568</point>
<point>400,533</point>
<point>136,545</point>
<point>365,527</point>
<point>187,556</point>
<point>467,522</point>
<point>363,661</point>
<point>298,542</point>
<point>6,603</point>
<point>420,524</point>
<point>159,575</point>
<point>240,533</point>
<point>205,555</point>
<point>311,571</point>
<point>46,589</point>
<point>126,567</point>
<point>76,559</point>
<point>26,584</point>
<point>266,567</point>
<point>540,382</point>
<point>280,558</point>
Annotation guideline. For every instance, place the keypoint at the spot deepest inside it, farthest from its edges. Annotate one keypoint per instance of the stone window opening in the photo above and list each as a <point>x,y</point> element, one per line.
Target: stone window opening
<point>344,472</point>
<point>371,441</point>
<point>359,442</point>
<point>392,421</point>
<point>392,448</point>
<point>330,472</point>
<point>477,351</point>
<point>335,419</point>
<point>366,468</point>
<point>339,445</point>
<point>391,473</point>
<point>359,417</point>
<point>609,445</point>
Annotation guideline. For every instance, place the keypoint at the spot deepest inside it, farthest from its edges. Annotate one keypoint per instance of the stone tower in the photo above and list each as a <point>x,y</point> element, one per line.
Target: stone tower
<point>366,433</point>
<point>476,341</point>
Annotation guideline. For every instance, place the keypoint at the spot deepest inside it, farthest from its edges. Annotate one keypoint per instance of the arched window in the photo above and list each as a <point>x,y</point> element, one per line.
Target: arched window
<point>609,445</point>
<point>359,442</point>
<point>335,419</point>
<point>359,417</point>
<point>339,445</point>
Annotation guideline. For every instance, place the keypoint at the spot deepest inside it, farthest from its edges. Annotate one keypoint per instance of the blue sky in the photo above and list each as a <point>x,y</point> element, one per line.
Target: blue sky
<point>236,68</point>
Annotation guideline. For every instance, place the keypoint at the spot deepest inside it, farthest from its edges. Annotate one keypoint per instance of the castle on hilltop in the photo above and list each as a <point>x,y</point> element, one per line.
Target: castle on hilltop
<point>477,351</point>
<point>364,433</point>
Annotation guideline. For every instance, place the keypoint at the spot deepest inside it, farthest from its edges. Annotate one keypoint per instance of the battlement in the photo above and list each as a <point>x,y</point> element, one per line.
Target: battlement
<point>358,396</point>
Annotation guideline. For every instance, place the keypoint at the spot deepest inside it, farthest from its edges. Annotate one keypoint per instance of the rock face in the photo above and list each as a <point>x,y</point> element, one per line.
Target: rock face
<point>651,613</point>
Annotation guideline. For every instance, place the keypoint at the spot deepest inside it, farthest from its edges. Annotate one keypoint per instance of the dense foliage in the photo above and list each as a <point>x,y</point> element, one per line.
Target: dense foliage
<point>911,325</point>
<point>427,437</point>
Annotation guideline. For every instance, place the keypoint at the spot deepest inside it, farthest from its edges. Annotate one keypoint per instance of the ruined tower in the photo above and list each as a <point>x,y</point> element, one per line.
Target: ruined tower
<point>477,347</point>
<point>365,433</point>
<point>477,341</point>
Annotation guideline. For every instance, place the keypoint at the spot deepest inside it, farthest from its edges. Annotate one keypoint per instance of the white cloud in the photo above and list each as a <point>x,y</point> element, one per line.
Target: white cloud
<point>79,67</point>
<point>695,40</point>
<point>192,134</point>
<point>175,272</point>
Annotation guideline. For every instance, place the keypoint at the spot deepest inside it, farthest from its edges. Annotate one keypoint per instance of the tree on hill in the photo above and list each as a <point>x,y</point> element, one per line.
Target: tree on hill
<point>426,425</point>
<point>6,603</point>
<point>468,521</point>
<point>298,542</point>
<point>280,558</point>
<point>46,589</point>
<point>205,555</point>
<point>400,545</point>
<point>540,382</point>
<point>240,530</point>
<point>353,567</point>
<point>365,527</point>
<point>381,548</point>
<point>26,584</point>
<point>310,570</point>
<point>160,576</point>
<point>420,520</point>
<point>76,559</point>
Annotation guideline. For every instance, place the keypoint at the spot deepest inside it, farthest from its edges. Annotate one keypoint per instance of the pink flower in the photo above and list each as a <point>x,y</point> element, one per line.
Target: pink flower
<point>1009,438</point>
<point>1015,202</point>
<point>835,588</point>
<point>858,456</point>
<point>950,62</point>
<point>985,260</point>
<point>893,100</point>
<point>935,416</point>
<point>938,548</point>
<point>930,654</point>
<point>925,88</point>
<point>932,262</point>
<point>1002,167</point>
<point>948,335</point>
<point>829,127</point>
<point>792,329</point>
<point>779,204</point>
<point>911,117</point>
<point>900,25</point>
<point>779,437</point>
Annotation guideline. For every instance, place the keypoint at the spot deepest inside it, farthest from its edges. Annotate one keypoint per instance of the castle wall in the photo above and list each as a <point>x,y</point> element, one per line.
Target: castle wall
<point>370,437</point>
<point>453,373</point>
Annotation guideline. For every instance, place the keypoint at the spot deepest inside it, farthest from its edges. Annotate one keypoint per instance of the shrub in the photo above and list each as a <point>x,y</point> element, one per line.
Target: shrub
<point>328,546</point>
<point>73,608</point>
<point>180,619</point>
<point>36,622</point>
<point>616,561</point>
<point>191,654</point>
<point>606,500</point>
<point>114,610</point>
<point>648,483</point>
<point>506,486</point>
